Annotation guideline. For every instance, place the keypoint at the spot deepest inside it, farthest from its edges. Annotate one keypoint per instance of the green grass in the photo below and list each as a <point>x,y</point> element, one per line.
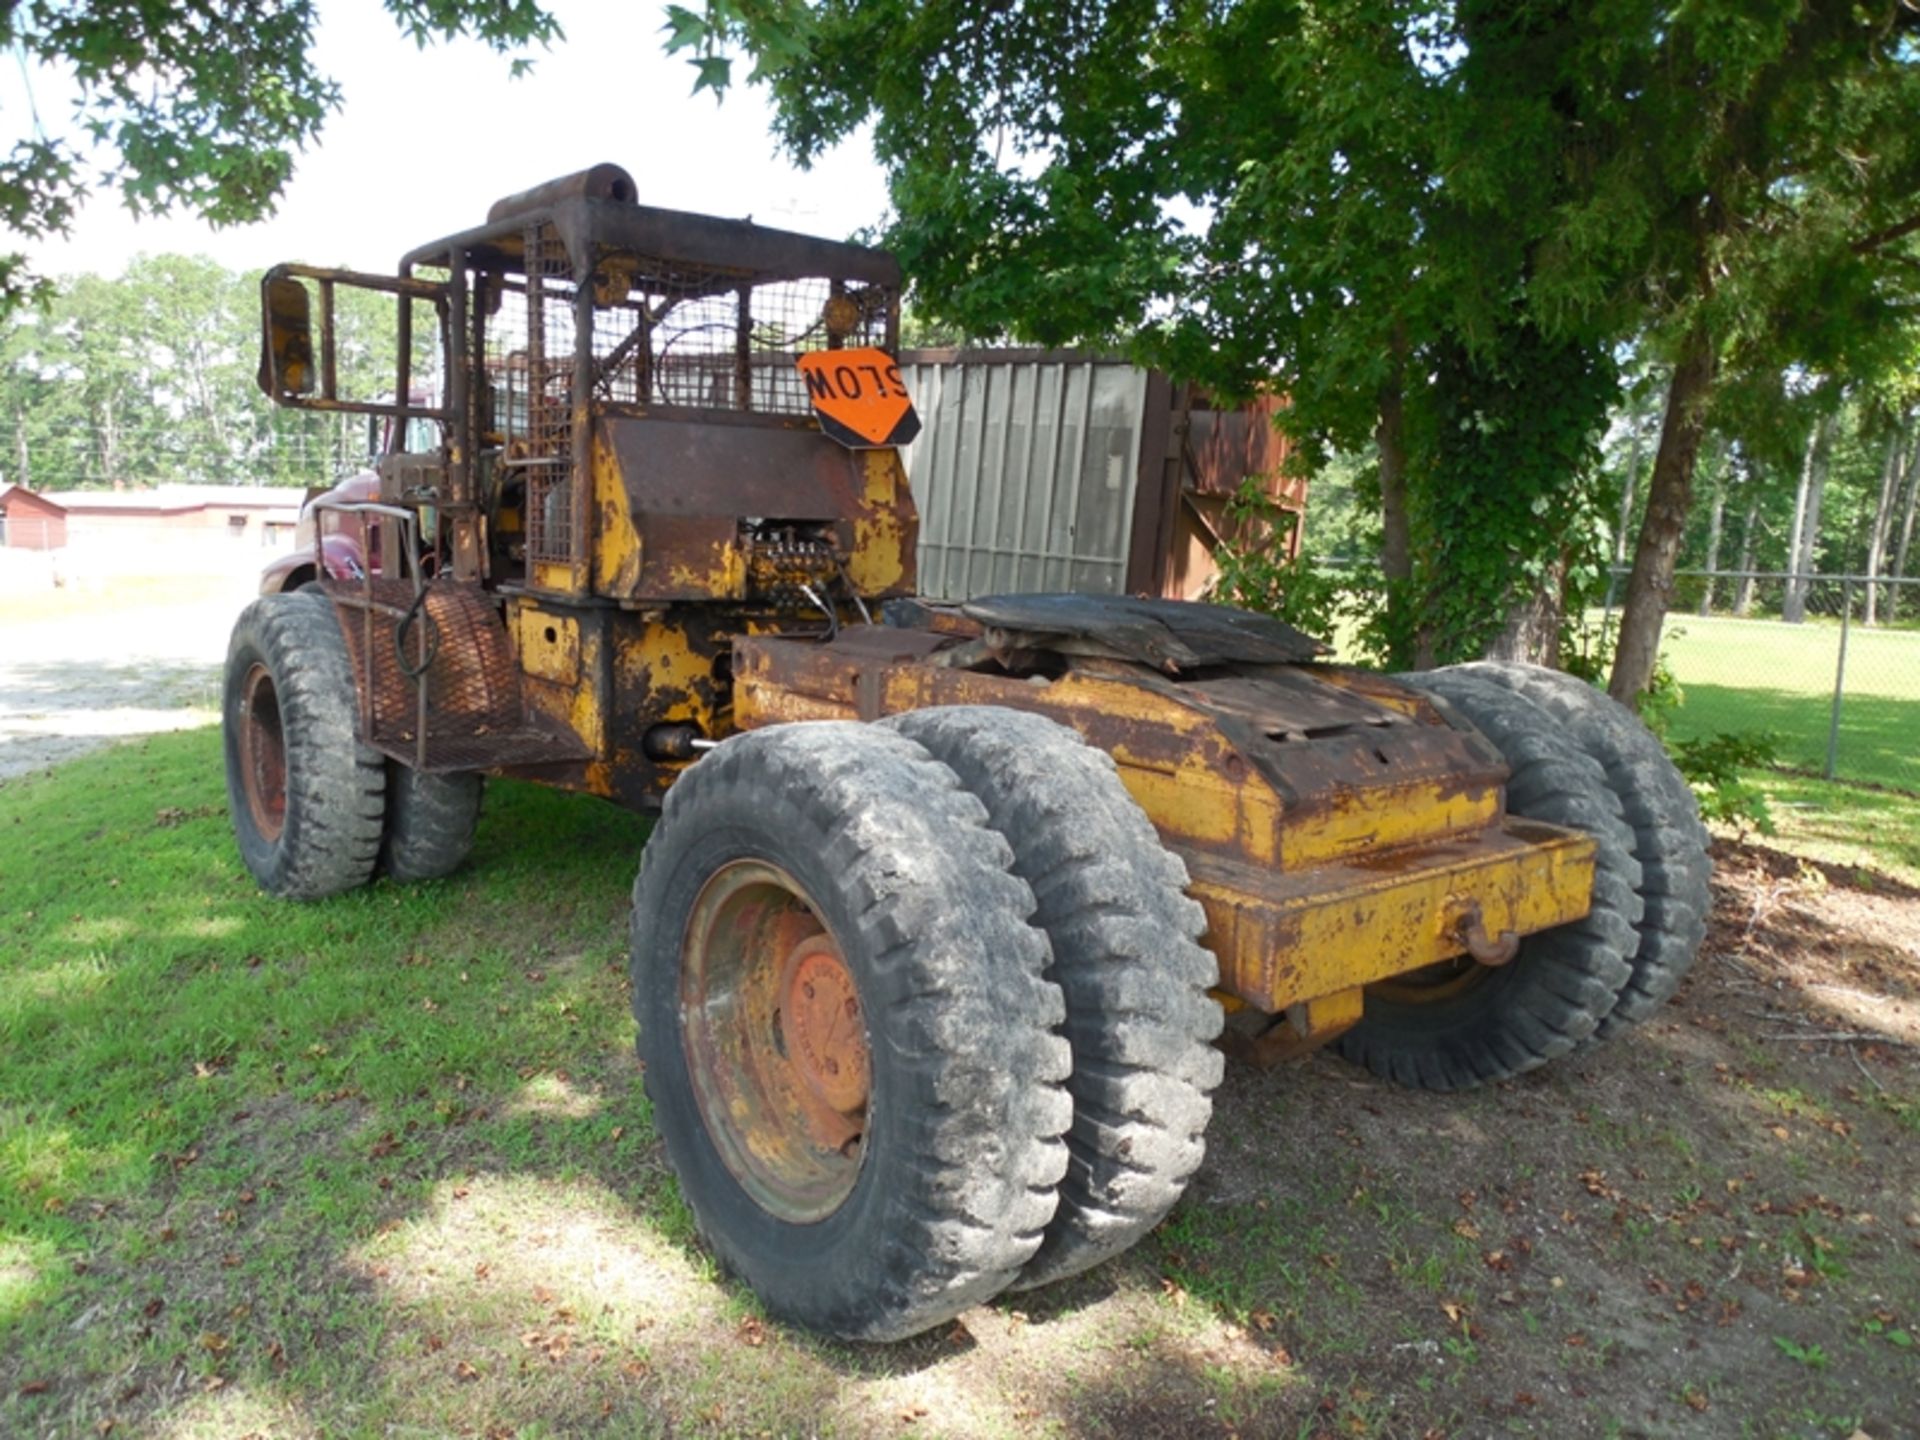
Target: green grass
<point>1753,675</point>
<point>1876,830</point>
<point>382,1165</point>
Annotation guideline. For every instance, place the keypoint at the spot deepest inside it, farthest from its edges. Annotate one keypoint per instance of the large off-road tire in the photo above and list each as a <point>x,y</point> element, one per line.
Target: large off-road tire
<point>305,795</point>
<point>848,1038</point>
<point>430,823</point>
<point>1112,900</point>
<point>1463,1024</point>
<point>1676,873</point>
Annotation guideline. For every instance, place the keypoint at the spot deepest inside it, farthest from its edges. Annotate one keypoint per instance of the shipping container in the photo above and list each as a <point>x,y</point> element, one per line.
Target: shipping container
<point>1063,470</point>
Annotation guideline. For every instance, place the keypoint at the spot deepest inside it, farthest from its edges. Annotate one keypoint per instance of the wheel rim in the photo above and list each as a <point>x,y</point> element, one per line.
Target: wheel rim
<point>263,753</point>
<point>775,1040</point>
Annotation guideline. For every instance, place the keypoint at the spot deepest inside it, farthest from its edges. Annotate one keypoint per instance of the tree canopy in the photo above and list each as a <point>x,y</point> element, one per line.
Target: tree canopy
<point>148,378</point>
<point>191,104</point>
<point>1436,226</point>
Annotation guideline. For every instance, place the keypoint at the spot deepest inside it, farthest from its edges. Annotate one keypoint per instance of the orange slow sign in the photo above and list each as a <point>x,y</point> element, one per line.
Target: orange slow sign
<point>859,397</point>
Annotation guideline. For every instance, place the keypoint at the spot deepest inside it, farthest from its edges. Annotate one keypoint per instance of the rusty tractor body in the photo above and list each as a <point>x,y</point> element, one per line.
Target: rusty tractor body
<point>650,545</point>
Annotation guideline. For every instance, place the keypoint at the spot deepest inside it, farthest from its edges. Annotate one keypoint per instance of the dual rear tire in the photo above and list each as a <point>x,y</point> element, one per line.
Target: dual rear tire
<point>1579,760</point>
<point>922,1013</point>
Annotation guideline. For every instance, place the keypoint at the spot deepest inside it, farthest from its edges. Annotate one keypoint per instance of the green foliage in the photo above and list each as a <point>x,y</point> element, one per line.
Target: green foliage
<point>1256,573</point>
<point>196,104</point>
<point>1512,505</point>
<point>1459,214</point>
<point>1811,1356</point>
<point>1713,764</point>
<point>150,378</point>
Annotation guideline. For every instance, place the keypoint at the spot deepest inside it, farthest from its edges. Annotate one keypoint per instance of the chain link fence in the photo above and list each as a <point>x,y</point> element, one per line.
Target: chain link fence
<point>1828,665</point>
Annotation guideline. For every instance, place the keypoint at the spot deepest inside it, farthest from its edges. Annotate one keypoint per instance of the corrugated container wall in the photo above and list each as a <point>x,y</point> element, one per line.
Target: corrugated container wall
<point>1058,470</point>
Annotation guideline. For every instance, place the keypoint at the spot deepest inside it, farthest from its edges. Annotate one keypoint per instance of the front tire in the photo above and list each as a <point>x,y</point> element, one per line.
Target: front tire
<point>870,1179</point>
<point>306,797</point>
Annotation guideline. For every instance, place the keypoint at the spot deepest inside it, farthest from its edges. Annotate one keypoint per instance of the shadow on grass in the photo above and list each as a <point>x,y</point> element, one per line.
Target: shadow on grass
<point>1877,734</point>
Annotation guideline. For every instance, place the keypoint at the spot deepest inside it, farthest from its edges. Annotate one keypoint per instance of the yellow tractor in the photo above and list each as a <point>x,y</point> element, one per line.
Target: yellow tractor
<point>951,909</point>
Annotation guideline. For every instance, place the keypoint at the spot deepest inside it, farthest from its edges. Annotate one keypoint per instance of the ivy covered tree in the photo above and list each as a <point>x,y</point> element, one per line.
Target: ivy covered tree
<point>193,105</point>
<point>1435,225</point>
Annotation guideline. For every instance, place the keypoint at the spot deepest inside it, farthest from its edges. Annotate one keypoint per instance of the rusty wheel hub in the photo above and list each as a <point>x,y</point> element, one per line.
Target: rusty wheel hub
<point>263,753</point>
<point>825,1040</point>
<point>776,1041</point>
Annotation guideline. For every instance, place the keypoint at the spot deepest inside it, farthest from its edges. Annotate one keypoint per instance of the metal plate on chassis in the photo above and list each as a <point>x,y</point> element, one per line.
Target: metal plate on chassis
<point>1169,635</point>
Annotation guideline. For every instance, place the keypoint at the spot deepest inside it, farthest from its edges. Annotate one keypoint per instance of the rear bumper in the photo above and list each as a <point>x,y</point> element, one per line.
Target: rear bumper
<point>1283,938</point>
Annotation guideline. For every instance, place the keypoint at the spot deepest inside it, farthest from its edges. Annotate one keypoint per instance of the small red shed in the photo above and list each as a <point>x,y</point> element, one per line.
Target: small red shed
<point>31,522</point>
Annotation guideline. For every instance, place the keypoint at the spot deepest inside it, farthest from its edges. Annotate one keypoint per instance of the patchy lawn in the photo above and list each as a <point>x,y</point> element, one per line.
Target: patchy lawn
<point>382,1166</point>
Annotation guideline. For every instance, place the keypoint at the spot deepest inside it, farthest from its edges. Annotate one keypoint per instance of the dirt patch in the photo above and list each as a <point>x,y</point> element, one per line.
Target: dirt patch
<point>73,681</point>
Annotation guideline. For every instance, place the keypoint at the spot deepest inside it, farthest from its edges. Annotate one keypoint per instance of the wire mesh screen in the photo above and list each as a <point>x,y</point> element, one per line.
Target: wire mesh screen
<point>549,312</point>
<point>528,327</point>
<point>710,339</point>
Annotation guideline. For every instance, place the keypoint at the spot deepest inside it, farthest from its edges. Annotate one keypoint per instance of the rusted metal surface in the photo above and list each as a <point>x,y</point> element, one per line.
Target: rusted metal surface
<point>1169,635</point>
<point>775,1040</point>
<point>1487,949</point>
<point>636,539</point>
<point>700,510</point>
<point>470,686</point>
<point>823,1037</point>
<point>629,459</point>
<point>1333,838</point>
<point>263,753</point>
<point>596,182</point>
<point>591,226</point>
<point>290,371</point>
<point>1215,763</point>
<point>1290,935</point>
<point>1306,1026</point>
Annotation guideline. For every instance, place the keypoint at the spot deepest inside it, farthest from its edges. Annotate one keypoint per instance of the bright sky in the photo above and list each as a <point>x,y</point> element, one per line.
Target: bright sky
<point>426,140</point>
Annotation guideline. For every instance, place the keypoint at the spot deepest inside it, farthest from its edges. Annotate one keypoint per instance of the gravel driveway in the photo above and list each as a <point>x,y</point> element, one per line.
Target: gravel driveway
<point>71,683</point>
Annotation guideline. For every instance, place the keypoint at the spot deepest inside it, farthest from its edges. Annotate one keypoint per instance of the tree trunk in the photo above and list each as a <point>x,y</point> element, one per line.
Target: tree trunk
<point>1743,592</point>
<point>1396,533</point>
<point>1793,605</point>
<point>22,461</point>
<point>1906,529</point>
<point>1396,541</point>
<point>1810,532</point>
<point>1669,494</point>
<point>1636,418</point>
<point>1890,474</point>
<point>1532,631</point>
<point>1713,539</point>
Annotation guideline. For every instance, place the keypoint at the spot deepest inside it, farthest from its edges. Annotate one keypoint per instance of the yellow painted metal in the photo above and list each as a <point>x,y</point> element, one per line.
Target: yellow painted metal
<point>617,555</point>
<point>1318,1020</point>
<point>557,577</point>
<point>1310,893</point>
<point>549,644</point>
<point>559,663</point>
<point>882,529</point>
<point>1357,824</point>
<point>1287,936</point>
